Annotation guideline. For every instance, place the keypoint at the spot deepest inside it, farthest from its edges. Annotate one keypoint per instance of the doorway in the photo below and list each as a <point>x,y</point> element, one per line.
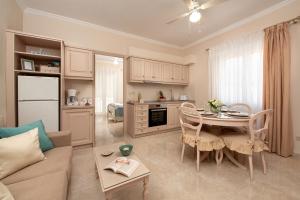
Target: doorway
<point>109,107</point>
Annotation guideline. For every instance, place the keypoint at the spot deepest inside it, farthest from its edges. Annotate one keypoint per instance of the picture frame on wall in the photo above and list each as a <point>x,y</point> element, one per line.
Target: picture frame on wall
<point>27,64</point>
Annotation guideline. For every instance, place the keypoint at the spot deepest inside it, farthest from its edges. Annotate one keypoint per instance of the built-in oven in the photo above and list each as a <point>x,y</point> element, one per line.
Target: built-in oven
<point>157,115</point>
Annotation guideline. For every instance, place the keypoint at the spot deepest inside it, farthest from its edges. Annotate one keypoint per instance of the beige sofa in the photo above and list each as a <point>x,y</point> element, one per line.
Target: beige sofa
<point>48,179</point>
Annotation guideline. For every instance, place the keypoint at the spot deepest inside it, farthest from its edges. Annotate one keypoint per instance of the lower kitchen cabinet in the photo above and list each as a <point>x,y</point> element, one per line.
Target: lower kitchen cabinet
<point>138,119</point>
<point>173,116</point>
<point>81,124</point>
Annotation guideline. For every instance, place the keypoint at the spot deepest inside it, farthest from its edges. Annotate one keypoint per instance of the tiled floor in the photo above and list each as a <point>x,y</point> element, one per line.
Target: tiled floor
<point>172,179</point>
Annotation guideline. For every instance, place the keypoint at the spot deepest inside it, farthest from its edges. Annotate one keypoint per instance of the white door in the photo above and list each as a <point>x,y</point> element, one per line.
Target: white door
<point>38,88</point>
<point>47,111</point>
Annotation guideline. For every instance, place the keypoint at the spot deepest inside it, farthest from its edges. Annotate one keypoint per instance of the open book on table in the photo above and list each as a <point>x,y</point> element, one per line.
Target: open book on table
<point>123,165</point>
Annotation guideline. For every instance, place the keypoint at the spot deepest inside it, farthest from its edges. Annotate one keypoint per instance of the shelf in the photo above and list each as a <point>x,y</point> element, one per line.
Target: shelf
<point>36,72</point>
<point>41,56</point>
<point>65,107</point>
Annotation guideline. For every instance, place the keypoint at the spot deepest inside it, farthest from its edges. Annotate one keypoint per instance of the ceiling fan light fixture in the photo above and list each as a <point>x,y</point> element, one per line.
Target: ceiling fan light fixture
<point>195,17</point>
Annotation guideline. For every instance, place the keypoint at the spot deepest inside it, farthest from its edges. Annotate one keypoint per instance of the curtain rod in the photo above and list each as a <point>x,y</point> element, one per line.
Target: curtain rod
<point>294,21</point>
<point>291,21</point>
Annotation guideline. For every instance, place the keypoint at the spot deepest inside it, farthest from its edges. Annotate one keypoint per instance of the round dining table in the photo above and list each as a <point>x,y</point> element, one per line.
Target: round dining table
<point>225,120</point>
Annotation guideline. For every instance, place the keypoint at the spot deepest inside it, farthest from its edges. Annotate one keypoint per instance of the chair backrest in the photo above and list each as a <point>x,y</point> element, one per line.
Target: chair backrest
<point>190,118</point>
<point>256,132</point>
<point>242,107</point>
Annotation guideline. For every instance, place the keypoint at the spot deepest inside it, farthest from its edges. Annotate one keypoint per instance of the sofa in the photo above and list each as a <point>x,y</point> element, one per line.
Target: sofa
<point>47,179</point>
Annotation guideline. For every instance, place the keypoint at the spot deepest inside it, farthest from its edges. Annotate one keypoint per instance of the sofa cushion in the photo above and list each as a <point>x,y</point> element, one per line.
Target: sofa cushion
<point>5,193</point>
<point>52,186</point>
<point>19,151</point>
<point>56,159</point>
<point>45,142</point>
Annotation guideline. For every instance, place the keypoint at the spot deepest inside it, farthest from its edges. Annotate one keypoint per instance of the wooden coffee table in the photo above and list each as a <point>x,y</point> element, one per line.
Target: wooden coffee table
<point>110,181</point>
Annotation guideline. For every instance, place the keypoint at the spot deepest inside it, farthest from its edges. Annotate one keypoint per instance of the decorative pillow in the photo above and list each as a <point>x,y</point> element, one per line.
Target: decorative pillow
<point>4,193</point>
<point>45,142</point>
<point>19,151</point>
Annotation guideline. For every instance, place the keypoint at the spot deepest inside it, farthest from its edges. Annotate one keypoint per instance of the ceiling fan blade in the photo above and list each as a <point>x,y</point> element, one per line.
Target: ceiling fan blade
<point>189,3</point>
<point>179,17</point>
<point>210,4</point>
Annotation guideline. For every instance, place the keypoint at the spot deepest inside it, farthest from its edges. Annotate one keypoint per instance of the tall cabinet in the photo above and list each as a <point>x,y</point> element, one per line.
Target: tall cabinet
<point>35,56</point>
<point>49,57</point>
<point>79,75</point>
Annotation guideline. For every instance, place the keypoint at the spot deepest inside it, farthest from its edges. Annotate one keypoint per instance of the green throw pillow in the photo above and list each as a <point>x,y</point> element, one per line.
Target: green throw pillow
<point>45,142</point>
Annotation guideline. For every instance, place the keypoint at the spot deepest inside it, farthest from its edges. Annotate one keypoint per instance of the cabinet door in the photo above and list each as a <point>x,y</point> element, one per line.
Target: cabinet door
<point>157,72</point>
<point>167,73</point>
<point>177,73</point>
<point>137,69</point>
<point>81,124</point>
<point>173,116</point>
<point>153,71</point>
<point>185,74</point>
<point>176,115</point>
<point>148,68</point>
<point>79,63</point>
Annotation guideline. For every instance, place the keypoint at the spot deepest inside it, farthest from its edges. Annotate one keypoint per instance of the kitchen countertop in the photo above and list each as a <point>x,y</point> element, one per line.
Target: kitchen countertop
<point>159,102</point>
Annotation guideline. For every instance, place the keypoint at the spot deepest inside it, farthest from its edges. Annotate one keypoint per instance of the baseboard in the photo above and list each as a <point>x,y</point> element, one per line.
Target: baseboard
<point>297,145</point>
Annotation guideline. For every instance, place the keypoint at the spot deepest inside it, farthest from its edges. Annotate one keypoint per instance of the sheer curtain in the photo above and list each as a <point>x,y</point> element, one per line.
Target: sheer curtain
<point>109,85</point>
<point>236,71</point>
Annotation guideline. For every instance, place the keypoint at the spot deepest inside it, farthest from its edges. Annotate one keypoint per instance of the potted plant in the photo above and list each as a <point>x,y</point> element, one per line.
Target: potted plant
<point>215,105</point>
<point>161,96</point>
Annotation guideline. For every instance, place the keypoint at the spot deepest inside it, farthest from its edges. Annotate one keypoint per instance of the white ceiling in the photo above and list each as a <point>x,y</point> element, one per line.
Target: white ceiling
<point>147,18</point>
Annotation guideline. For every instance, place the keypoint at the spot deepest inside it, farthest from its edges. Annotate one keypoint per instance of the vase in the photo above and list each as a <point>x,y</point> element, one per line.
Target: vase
<point>215,110</point>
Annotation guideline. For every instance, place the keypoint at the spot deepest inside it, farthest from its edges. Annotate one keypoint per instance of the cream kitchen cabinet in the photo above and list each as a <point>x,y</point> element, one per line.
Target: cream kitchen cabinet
<point>78,63</point>
<point>177,73</point>
<point>173,116</point>
<point>185,74</point>
<point>81,124</point>
<point>144,70</point>
<point>137,69</point>
<point>167,73</point>
<point>153,71</point>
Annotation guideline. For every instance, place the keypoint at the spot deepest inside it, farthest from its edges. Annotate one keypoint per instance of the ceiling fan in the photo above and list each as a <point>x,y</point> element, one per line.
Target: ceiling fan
<point>194,6</point>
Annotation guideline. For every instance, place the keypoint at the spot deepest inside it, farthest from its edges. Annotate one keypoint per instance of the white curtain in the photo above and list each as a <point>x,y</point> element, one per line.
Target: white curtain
<point>109,85</point>
<point>236,71</point>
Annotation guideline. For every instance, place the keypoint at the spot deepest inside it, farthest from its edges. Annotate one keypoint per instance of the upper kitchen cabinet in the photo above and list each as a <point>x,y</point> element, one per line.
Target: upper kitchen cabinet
<point>137,69</point>
<point>78,63</point>
<point>153,71</point>
<point>185,74</point>
<point>144,70</point>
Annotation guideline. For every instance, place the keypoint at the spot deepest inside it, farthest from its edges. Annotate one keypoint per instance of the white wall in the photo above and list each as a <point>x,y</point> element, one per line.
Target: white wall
<point>10,18</point>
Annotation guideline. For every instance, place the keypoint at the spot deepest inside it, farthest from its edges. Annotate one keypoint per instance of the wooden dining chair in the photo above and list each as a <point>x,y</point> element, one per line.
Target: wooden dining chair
<point>241,107</point>
<point>253,142</point>
<point>194,137</point>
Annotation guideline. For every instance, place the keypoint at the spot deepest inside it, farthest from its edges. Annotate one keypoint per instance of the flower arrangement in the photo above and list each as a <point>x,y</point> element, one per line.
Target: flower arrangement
<point>215,105</point>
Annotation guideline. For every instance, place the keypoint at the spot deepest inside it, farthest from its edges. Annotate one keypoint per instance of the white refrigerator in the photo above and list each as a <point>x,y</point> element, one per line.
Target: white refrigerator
<point>38,99</point>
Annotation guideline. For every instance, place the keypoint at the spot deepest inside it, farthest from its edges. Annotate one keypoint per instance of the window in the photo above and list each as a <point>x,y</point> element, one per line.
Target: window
<point>236,71</point>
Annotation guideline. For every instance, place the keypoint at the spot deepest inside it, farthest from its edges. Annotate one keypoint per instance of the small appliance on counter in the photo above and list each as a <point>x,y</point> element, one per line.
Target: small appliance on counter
<point>183,97</point>
<point>72,99</point>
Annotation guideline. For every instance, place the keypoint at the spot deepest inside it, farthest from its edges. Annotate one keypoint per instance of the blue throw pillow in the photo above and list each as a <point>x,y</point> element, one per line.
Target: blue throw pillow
<point>45,142</point>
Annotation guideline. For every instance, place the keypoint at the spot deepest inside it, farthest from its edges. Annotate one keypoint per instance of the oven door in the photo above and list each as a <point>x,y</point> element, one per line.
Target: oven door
<point>157,116</point>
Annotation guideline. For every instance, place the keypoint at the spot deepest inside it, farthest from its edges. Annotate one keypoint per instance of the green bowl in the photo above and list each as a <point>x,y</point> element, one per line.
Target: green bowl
<point>126,149</point>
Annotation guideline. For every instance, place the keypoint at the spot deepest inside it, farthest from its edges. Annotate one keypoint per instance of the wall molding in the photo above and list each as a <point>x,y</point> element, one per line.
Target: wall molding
<point>241,22</point>
<point>233,26</point>
<point>33,11</point>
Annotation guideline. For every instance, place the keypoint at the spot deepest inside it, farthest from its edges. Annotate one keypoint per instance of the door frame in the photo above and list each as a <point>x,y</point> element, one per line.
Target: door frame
<point>125,68</point>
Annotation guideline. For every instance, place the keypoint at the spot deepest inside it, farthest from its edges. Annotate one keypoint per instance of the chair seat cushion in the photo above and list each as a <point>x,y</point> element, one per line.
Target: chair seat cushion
<point>241,143</point>
<point>205,141</point>
<point>52,186</point>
